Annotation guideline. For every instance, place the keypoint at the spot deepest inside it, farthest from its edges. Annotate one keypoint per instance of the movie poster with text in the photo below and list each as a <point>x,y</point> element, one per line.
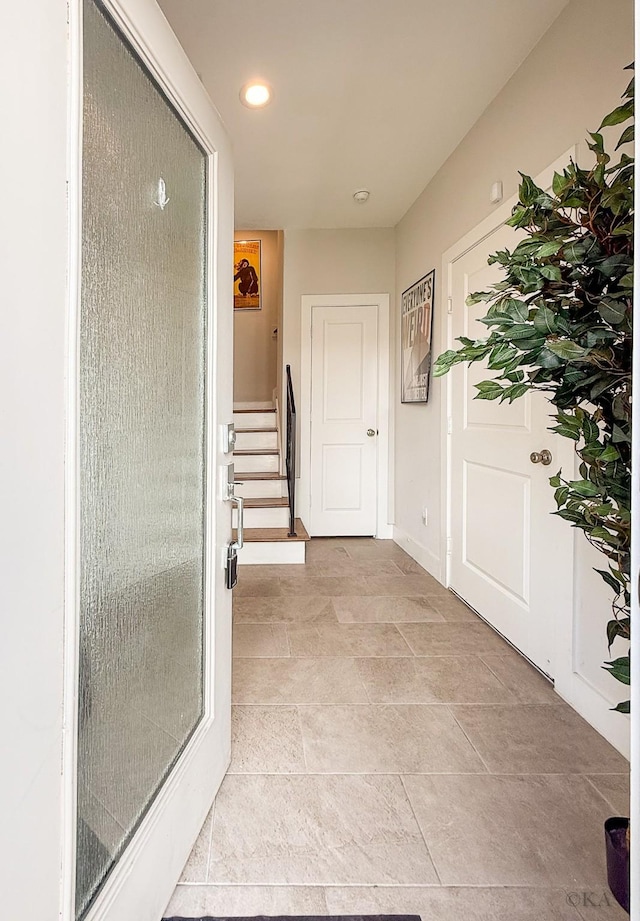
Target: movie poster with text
<point>247,294</point>
<point>417,321</point>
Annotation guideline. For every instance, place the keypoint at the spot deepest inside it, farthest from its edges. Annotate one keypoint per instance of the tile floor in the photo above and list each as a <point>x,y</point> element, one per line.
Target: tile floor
<point>392,754</point>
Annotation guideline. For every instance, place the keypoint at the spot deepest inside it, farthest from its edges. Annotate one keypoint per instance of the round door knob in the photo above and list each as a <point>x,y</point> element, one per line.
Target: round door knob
<point>541,457</point>
<point>370,433</point>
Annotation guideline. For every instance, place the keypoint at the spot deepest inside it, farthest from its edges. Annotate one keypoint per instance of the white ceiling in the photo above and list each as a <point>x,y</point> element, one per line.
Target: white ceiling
<point>369,94</point>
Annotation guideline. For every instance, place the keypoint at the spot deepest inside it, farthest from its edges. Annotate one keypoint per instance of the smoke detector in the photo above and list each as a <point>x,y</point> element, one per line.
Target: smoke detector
<point>361,196</point>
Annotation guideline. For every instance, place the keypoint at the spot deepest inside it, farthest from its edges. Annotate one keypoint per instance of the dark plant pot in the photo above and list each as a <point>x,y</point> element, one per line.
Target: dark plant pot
<point>618,865</point>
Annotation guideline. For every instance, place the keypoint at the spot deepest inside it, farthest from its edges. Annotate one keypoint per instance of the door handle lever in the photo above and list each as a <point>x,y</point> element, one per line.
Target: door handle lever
<point>238,543</point>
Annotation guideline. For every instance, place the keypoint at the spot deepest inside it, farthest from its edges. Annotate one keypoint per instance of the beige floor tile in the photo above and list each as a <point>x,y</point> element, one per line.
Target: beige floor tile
<point>384,609</point>
<point>385,739</point>
<point>534,830</point>
<point>316,830</point>
<point>432,679</point>
<point>444,903</point>
<point>196,867</point>
<point>402,585</point>
<point>294,609</point>
<point>347,640</point>
<point>451,639</point>
<point>409,567</point>
<point>297,681</point>
<point>596,904</point>
<point>537,739</point>
<point>324,585</point>
<point>616,790</point>
<point>453,609</point>
<point>260,640</point>
<point>325,549</point>
<point>525,682</point>
<point>371,548</point>
<point>246,901</point>
<point>266,740</point>
<point>257,588</point>
<point>267,571</point>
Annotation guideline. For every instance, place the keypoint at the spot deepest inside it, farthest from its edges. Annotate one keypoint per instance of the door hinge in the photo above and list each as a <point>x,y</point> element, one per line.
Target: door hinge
<point>449,546</point>
<point>449,305</point>
<point>449,426</point>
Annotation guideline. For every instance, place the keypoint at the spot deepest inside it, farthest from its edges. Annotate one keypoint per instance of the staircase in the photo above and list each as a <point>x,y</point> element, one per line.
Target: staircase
<point>257,465</point>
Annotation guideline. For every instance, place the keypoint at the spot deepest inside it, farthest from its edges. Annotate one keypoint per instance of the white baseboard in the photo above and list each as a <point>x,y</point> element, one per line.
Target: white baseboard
<point>386,532</point>
<point>596,710</point>
<point>419,553</point>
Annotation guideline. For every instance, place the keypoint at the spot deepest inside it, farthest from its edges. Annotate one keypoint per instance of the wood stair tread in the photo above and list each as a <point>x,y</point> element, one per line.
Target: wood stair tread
<point>275,502</point>
<point>240,431</point>
<point>256,451</point>
<point>262,535</point>
<point>254,410</point>
<point>259,475</point>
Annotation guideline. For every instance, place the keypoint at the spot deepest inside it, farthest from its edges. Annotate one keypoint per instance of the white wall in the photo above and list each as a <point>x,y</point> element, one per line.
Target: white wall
<point>567,84</point>
<point>332,262</point>
<point>33,263</point>
<point>358,261</point>
<point>255,349</point>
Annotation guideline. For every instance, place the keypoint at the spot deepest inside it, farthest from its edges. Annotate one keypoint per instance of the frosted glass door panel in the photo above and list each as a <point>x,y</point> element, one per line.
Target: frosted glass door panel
<point>142,454</point>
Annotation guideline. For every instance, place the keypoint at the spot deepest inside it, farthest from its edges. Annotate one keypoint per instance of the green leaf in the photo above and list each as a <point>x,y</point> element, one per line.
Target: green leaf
<point>563,348</point>
<point>627,136</point>
<point>619,115</point>
<point>552,272</point>
<point>488,390</point>
<point>623,707</point>
<point>610,579</point>
<point>620,669</point>
<point>612,311</point>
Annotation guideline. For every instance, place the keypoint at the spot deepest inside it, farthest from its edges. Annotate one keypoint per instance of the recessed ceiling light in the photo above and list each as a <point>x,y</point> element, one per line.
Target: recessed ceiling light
<point>256,94</point>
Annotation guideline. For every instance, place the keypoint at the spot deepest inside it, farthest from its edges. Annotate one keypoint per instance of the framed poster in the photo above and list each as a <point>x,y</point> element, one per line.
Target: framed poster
<point>417,324</point>
<point>247,275</point>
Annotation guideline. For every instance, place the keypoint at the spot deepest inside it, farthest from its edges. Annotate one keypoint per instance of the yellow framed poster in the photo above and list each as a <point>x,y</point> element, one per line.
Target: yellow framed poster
<point>247,275</point>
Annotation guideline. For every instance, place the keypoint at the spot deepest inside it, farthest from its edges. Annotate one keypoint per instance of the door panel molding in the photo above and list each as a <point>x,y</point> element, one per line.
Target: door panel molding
<point>381,302</point>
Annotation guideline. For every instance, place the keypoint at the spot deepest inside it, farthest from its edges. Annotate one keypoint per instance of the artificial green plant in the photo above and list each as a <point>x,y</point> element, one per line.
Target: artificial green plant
<point>561,323</point>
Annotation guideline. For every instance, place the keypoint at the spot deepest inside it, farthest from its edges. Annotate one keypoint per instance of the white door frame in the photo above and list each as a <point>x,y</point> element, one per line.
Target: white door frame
<point>201,766</point>
<point>310,301</point>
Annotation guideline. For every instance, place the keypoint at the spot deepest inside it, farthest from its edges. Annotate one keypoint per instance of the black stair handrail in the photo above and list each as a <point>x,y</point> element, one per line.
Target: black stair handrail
<point>291,454</point>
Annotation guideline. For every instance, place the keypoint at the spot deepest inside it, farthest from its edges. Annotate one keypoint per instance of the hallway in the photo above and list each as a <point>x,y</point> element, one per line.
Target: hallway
<point>391,753</point>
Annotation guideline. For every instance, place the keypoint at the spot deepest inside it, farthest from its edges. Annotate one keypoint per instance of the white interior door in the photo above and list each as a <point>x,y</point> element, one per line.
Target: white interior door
<point>344,421</point>
<point>153,357</point>
<point>511,559</point>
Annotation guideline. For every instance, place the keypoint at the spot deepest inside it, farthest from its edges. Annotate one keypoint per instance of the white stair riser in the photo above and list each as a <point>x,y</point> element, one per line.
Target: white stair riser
<point>263,517</point>
<point>261,489</point>
<point>256,463</point>
<point>277,551</point>
<point>255,420</point>
<point>254,441</point>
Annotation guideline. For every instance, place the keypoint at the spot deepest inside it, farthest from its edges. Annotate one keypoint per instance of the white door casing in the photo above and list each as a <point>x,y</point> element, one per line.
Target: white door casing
<point>343,488</point>
<point>142,881</point>
<point>509,556</point>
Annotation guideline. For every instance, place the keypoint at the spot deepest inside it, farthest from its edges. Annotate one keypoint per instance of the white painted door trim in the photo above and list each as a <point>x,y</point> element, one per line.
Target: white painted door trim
<point>383,528</point>
<point>179,809</point>
<point>569,684</point>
